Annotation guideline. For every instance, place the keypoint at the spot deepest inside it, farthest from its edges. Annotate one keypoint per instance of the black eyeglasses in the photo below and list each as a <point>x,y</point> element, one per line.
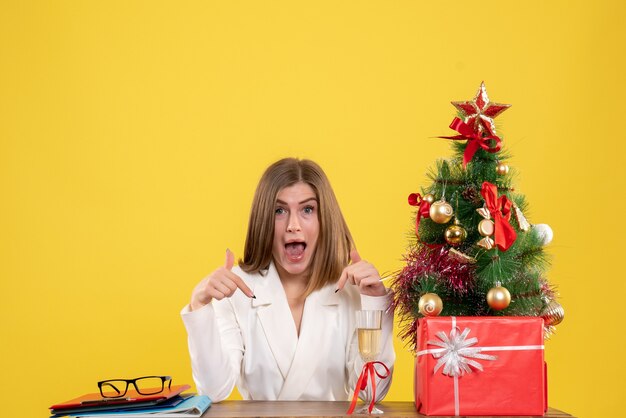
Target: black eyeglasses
<point>146,385</point>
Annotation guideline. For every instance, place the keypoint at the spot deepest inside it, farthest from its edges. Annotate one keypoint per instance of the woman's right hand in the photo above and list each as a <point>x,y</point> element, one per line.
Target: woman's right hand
<point>220,284</point>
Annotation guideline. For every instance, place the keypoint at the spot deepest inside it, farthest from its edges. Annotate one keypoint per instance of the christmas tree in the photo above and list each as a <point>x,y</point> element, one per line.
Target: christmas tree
<point>473,252</point>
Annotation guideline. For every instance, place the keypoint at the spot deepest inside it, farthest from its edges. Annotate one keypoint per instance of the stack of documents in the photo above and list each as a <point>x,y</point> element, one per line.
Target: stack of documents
<point>169,403</point>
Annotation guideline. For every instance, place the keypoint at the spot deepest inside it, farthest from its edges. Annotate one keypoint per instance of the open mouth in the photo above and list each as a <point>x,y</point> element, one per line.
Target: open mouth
<point>295,250</point>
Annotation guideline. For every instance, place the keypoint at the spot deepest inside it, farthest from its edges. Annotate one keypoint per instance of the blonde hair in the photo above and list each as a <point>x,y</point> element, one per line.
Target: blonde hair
<point>334,241</point>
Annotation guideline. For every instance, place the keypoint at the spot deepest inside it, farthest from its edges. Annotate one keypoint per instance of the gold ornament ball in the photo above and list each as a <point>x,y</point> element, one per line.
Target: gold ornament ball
<point>430,304</point>
<point>455,234</point>
<point>441,212</point>
<point>498,298</point>
<point>502,169</point>
<point>553,314</point>
<point>429,198</point>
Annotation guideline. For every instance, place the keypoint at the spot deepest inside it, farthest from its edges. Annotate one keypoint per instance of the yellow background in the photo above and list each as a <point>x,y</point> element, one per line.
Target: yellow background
<point>132,135</point>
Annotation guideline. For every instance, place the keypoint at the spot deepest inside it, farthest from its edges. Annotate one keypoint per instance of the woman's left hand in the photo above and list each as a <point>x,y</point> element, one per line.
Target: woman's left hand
<point>362,274</point>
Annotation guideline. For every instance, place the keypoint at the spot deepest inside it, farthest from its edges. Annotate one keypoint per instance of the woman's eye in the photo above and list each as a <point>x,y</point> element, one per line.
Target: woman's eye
<point>279,211</point>
<point>309,209</point>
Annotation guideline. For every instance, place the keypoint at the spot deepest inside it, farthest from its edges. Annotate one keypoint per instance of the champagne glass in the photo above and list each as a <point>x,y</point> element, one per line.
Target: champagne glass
<point>368,324</point>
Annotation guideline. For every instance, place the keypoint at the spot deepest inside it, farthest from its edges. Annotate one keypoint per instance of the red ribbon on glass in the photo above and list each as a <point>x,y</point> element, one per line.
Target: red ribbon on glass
<point>500,210</point>
<point>361,384</point>
<point>475,140</point>
<point>415,199</point>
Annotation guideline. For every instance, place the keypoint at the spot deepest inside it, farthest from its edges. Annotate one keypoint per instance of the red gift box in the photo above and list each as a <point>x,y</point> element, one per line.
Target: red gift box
<point>480,366</point>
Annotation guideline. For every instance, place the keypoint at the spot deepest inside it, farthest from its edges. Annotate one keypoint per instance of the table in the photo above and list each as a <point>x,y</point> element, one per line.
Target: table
<point>285,409</point>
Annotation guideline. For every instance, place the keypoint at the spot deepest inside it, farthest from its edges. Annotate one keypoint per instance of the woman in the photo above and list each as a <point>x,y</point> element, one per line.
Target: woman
<point>281,324</point>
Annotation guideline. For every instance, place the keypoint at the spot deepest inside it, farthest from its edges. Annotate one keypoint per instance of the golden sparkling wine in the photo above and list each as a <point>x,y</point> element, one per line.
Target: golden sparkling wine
<point>369,343</point>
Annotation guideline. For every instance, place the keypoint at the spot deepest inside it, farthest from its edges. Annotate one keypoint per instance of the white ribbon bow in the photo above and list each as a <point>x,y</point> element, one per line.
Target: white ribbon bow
<point>457,353</point>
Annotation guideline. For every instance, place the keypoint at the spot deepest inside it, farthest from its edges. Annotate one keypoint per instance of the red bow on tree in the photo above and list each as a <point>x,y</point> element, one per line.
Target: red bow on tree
<point>415,199</point>
<point>475,140</point>
<point>500,210</point>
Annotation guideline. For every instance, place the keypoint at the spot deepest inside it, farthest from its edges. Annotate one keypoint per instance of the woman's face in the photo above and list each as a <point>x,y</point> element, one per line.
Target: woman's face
<point>296,228</point>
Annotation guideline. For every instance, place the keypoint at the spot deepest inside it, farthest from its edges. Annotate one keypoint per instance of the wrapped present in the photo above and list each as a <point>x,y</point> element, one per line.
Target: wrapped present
<point>480,366</point>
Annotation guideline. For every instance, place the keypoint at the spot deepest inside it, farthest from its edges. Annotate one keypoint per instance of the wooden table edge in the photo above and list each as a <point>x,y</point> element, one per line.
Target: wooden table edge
<point>325,409</point>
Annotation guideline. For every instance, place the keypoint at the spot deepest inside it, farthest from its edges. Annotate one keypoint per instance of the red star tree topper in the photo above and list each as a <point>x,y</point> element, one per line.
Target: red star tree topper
<point>480,112</point>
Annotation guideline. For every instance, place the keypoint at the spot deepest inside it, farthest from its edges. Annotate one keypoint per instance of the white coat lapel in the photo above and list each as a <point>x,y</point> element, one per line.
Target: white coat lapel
<point>275,316</point>
<point>319,311</point>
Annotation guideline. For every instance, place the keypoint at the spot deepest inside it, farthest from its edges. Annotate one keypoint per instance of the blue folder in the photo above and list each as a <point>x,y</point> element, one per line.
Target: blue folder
<point>193,406</point>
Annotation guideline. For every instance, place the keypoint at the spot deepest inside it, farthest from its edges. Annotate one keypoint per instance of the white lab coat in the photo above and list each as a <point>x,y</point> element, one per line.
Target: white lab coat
<point>253,343</point>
